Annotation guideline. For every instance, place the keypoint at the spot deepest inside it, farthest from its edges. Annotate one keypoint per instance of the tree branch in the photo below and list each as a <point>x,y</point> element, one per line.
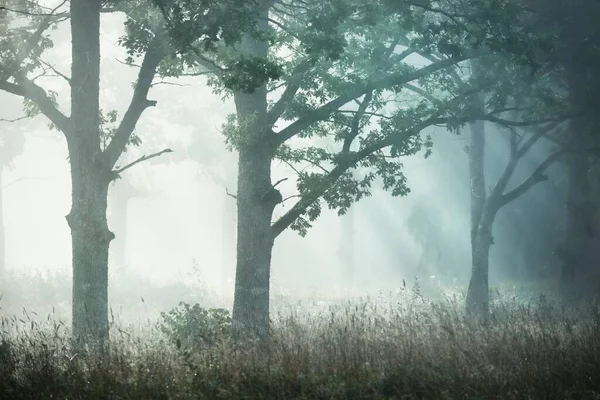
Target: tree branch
<point>355,128</point>
<point>397,79</point>
<point>156,52</point>
<point>288,95</point>
<point>118,171</point>
<point>29,90</point>
<point>230,194</point>
<point>351,158</point>
<point>536,177</point>
<point>23,52</point>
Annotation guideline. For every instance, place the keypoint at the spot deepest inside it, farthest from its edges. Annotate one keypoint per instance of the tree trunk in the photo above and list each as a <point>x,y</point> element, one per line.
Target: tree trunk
<point>579,218</point>
<point>256,200</point>
<point>478,297</point>
<point>90,177</point>
<point>120,197</point>
<point>347,245</point>
<point>2,232</point>
<point>477,301</point>
<point>477,175</point>
<point>90,244</point>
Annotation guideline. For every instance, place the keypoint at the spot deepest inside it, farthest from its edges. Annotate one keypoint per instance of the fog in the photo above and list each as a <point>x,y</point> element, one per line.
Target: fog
<point>181,227</point>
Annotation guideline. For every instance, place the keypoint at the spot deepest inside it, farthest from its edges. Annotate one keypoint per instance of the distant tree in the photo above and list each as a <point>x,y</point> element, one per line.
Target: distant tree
<point>347,247</point>
<point>221,169</point>
<point>485,206</point>
<point>12,142</point>
<point>121,192</point>
<point>575,56</point>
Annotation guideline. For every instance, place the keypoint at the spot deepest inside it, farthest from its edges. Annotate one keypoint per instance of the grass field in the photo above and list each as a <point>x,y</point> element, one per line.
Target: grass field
<point>403,346</point>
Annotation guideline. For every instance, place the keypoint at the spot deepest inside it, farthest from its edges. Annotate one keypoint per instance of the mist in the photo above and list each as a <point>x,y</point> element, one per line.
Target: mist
<point>344,190</point>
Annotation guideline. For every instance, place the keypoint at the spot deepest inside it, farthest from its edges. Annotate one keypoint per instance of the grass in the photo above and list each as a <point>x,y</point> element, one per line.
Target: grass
<point>405,347</point>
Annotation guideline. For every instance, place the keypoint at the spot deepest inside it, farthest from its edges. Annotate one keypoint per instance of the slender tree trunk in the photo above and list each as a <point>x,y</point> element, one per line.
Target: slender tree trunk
<point>477,300</point>
<point>478,297</point>
<point>347,246</point>
<point>256,200</point>
<point>90,178</point>
<point>227,236</point>
<point>120,197</point>
<point>2,232</point>
<point>477,175</point>
<point>579,216</point>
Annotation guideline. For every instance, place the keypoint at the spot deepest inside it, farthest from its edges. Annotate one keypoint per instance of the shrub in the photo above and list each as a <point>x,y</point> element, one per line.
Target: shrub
<point>195,326</point>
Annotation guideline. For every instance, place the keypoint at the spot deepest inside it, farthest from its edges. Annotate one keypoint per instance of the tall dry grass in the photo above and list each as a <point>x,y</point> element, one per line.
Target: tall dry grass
<point>408,348</point>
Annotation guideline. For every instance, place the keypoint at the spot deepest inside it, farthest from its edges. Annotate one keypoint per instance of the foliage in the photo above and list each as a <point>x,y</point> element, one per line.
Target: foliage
<point>195,326</point>
<point>108,128</point>
<point>194,29</point>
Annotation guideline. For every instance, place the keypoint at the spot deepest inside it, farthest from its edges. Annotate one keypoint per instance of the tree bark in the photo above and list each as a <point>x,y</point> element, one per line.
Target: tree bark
<point>90,177</point>
<point>90,245</point>
<point>478,297</point>
<point>477,301</point>
<point>256,200</point>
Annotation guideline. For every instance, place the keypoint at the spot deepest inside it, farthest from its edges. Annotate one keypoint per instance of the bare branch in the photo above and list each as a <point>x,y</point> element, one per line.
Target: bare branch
<point>21,118</point>
<point>25,178</point>
<point>169,84</point>
<point>229,194</point>
<point>34,14</point>
<point>118,171</point>
<point>57,72</point>
<point>532,122</point>
<point>536,177</point>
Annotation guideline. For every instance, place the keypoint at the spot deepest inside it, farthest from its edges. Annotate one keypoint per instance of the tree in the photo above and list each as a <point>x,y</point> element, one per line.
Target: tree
<point>94,147</point>
<point>347,247</point>
<point>221,169</point>
<point>12,142</point>
<point>120,195</point>
<point>337,122</point>
<point>92,165</point>
<point>485,207</point>
<point>575,56</point>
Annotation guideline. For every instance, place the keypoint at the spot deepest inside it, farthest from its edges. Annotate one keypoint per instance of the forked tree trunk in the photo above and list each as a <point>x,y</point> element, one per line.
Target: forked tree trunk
<point>256,200</point>
<point>89,180</point>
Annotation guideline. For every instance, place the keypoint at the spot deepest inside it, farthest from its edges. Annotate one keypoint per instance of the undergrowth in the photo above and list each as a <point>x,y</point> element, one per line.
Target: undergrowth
<point>405,349</point>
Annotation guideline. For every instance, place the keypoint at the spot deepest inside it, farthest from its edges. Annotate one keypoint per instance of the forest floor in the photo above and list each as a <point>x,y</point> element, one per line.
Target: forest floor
<point>403,346</point>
